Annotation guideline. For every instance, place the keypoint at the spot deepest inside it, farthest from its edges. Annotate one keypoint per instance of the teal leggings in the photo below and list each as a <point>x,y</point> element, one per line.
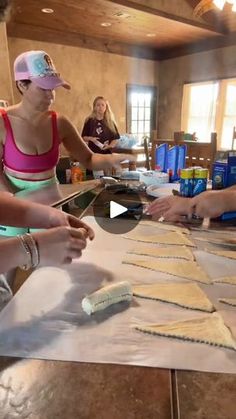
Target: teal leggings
<point>23,185</point>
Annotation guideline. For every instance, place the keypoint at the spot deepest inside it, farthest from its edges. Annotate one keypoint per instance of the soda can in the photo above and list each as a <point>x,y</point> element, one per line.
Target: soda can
<point>200,176</point>
<point>186,182</point>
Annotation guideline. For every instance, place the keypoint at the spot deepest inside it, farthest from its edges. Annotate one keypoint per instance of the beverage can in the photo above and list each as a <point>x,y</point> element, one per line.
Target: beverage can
<point>200,176</point>
<point>186,182</point>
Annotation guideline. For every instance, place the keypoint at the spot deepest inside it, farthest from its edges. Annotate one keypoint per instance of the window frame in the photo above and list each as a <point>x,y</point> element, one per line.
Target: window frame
<point>137,88</point>
<point>220,105</point>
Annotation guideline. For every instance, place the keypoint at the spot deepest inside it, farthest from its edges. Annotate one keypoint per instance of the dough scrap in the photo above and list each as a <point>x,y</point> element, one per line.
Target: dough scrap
<point>164,226</point>
<point>231,280</point>
<point>210,330</point>
<point>173,252</point>
<point>182,294</point>
<point>182,268</point>
<point>229,301</point>
<point>168,238</point>
<point>231,254</point>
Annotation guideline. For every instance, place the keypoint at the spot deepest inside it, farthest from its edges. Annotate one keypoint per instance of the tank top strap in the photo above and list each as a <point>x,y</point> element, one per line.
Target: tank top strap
<point>54,127</point>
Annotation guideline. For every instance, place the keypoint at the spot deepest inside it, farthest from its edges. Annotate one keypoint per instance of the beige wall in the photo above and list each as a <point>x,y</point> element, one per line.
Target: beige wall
<point>173,73</point>
<point>5,77</point>
<point>91,73</point>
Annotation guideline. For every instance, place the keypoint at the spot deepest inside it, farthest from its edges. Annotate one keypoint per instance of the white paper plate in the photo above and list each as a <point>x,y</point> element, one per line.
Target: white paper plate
<point>162,190</point>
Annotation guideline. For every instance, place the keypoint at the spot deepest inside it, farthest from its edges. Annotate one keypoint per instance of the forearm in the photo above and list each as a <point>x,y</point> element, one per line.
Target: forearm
<point>113,143</point>
<point>228,197</point>
<point>19,213</point>
<point>12,254</point>
<point>100,162</point>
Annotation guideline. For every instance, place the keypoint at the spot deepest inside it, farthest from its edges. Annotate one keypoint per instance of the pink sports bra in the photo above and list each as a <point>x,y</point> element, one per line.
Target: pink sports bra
<point>15,159</point>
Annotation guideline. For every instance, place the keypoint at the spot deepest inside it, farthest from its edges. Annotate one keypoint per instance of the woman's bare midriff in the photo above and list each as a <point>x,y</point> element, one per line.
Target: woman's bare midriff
<point>31,176</point>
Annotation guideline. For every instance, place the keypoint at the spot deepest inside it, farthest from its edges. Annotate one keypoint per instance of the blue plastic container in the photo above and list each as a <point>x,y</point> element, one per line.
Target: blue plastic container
<point>172,163</point>
<point>161,157</point>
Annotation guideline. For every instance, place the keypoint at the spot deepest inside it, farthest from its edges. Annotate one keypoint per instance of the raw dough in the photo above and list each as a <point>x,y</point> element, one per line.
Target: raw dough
<point>231,254</point>
<point>164,226</point>
<point>227,280</point>
<point>174,252</point>
<point>168,238</point>
<point>183,294</point>
<point>106,296</point>
<point>210,330</point>
<point>229,301</point>
<point>181,268</point>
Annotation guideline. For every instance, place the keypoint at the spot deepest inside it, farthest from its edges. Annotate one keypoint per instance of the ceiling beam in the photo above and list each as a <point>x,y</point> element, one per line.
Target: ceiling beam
<point>201,46</point>
<point>213,27</point>
<point>20,30</point>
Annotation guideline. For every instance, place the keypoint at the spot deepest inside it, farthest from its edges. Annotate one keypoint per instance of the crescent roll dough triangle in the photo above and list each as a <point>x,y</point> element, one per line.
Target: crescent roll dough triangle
<point>167,238</point>
<point>164,226</point>
<point>231,254</point>
<point>227,280</point>
<point>182,268</point>
<point>182,294</point>
<point>174,252</point>
<point>210,330</point>
<point>229,301</point>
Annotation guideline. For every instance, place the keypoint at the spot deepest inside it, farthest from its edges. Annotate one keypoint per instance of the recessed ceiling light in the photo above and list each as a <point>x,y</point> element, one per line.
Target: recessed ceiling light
<point>105,24</point>
<point>151,35</point>
<point>47,10</point>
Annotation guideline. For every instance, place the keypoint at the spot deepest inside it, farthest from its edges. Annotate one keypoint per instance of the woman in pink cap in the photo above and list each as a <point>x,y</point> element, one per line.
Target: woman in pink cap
<point>63,240</point>
<point>31,134</point>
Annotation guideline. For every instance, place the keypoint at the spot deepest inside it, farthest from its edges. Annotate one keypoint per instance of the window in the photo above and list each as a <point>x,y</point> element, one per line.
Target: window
<point>141,110</point>
<point>208,107</point>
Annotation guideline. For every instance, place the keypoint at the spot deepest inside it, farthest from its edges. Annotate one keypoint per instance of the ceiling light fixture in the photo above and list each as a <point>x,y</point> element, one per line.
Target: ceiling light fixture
<point>150,35</point>
<point>105,24</point>
<point>122,15</point>
<point>206,5</point>
<point>45,10</point>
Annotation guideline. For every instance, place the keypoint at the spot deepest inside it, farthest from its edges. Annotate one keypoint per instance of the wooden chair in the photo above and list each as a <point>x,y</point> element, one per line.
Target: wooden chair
<point>198,154</point>
<point>202,154</point>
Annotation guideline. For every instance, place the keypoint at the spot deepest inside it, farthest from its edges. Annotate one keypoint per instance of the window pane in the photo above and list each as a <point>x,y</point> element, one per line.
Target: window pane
<point>147,113</point>
<point>147,127</point>
<point>134,127</point>
<point>147,99</point>
<point>141,99</point>
<point>140,127</point>
<point>134,99</point>
<point>141,113</point>
<point>230,106</point>
<point>202,110</point>
<point>227,132</point>
<point>134,114</point>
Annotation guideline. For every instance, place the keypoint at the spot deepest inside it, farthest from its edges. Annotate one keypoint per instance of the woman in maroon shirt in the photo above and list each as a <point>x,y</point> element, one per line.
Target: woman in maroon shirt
<point>100,131</point>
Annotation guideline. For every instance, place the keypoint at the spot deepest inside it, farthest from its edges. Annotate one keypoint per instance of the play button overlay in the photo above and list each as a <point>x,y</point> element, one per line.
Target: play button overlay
<point>118,213</point>
<point>116,209</point>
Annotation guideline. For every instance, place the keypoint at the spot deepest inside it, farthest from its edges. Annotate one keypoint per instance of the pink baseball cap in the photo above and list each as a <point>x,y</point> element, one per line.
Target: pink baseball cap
<point>38,67</point>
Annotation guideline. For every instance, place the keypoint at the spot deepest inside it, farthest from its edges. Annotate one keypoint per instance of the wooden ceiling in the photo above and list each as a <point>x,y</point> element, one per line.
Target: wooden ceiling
<point>154,29</point>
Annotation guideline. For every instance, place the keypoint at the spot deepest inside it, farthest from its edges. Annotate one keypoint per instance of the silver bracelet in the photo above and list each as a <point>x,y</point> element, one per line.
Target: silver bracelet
<point>26,248</point>
<point>31,242</point>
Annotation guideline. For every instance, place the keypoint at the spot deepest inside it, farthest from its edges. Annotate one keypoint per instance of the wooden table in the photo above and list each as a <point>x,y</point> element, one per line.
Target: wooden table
<point>38,389</point>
